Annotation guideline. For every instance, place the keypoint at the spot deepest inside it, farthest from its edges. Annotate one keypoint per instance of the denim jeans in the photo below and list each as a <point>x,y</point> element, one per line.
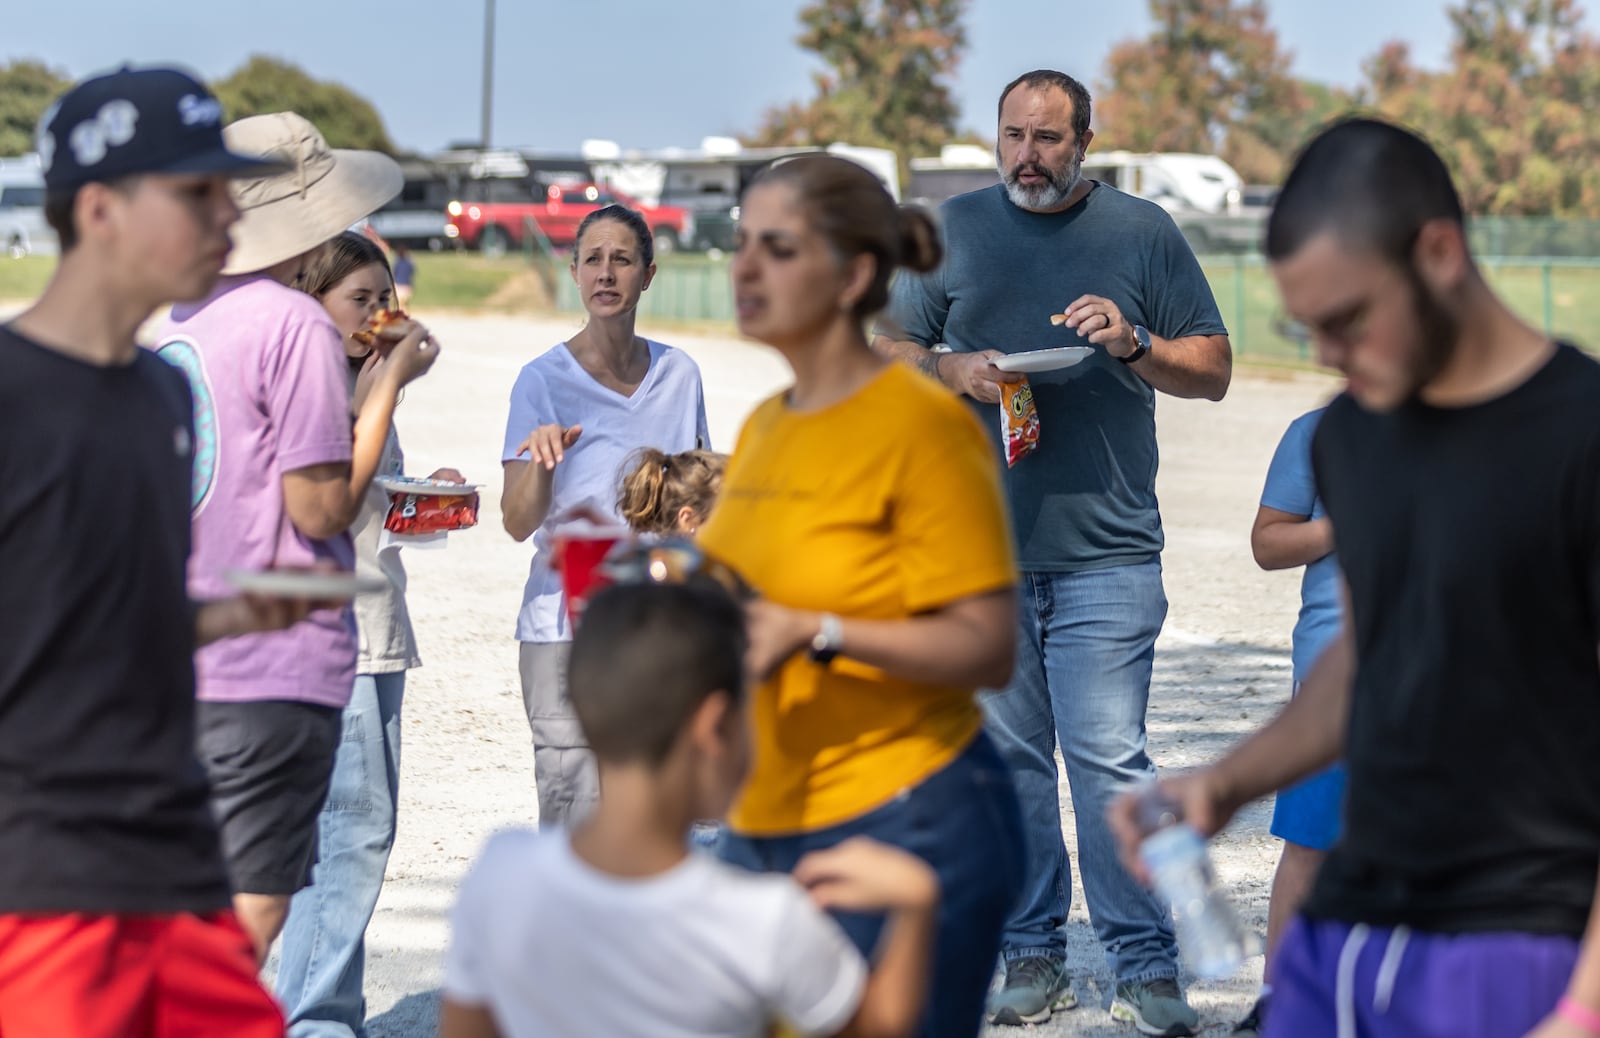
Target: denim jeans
<point>963,821</point>
<point>1087,643</point>
<point>323,955</point>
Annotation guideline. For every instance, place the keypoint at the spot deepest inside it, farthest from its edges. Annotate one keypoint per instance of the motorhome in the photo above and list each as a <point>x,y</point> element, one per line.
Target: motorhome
<point>23,229</point>
<point>1204,194</point>
<point>1173,180</point>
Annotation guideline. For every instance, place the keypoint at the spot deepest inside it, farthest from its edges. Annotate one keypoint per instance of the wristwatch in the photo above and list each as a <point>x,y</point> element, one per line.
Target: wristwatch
<point>829,639</point>
<point>1141,345</point>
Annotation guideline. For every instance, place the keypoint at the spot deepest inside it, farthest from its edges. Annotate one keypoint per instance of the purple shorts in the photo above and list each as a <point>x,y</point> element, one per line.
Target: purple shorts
<point>1341,981</point>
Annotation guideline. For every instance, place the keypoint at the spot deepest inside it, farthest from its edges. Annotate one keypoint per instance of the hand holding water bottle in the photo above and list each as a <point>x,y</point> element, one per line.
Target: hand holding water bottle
<point>1171,855</point>
<point>1195,797</point>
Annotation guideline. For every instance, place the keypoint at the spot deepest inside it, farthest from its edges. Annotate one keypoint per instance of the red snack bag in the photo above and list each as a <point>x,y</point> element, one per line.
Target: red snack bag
<point>1019,420</point>
<point>430,513</point>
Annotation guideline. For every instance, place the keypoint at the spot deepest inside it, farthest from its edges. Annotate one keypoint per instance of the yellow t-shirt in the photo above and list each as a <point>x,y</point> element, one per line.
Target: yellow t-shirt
<point>883,506</point>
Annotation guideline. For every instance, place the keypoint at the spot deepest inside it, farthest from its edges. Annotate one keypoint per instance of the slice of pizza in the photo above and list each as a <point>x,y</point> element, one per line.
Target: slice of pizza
<point>1058,319</point>
<point>380,327</point>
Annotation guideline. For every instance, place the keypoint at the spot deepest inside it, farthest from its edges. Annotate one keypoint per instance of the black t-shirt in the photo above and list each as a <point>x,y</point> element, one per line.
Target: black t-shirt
<point>102,805</point>
<point>1470,540</point>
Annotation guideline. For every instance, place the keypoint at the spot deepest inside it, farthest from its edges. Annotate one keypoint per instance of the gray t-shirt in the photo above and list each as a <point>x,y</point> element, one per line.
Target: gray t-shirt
<point>388,645</point>
<point>1086,499</point>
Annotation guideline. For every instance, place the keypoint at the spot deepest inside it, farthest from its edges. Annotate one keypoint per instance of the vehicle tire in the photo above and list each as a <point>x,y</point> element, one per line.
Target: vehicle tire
<point>666,240</point>
<point>493,242</point>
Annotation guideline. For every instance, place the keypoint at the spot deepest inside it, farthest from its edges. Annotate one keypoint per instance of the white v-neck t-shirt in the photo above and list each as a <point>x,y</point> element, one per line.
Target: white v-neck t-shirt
<point>667,411</point>
<point>553,947</point>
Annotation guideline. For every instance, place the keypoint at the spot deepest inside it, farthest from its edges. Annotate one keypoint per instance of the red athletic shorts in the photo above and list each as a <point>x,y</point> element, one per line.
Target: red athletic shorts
<point>131,976</point>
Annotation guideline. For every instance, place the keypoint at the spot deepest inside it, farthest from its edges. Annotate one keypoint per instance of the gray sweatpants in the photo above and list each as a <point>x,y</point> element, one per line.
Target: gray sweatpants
<point>563,766</point>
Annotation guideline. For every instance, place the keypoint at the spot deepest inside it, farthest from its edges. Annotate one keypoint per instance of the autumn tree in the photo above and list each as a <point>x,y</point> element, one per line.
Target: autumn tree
<point>265,84</point>
<point>1212,79</point>
<point>1514,112</point>
<point>26,90</point>
<point>887,83</point>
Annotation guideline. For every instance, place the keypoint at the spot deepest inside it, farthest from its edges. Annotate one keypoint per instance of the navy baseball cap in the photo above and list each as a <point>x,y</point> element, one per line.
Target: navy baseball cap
<point>146,120</point>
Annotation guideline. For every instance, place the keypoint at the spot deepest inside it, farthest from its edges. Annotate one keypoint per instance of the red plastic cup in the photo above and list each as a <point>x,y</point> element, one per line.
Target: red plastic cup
<point>578,556</point>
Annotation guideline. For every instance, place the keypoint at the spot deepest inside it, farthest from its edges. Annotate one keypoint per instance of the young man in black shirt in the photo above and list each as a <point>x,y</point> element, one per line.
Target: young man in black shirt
<point>114,905</point>
<point>1461,471</point>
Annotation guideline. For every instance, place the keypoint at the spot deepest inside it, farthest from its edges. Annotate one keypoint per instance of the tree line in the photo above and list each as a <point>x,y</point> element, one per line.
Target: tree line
<point>1515,111</point>
<point>260,85</point>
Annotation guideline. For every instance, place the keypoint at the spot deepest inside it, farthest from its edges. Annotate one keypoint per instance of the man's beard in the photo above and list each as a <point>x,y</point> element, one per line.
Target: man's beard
<point>1043,197</point>
<point>1438,331</point>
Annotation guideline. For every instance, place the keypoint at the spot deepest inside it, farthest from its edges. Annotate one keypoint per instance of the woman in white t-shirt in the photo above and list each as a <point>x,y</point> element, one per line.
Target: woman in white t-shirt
<point>577,413</point>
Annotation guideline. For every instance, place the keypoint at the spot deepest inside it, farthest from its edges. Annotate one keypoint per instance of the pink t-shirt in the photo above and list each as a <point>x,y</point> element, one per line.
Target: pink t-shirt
<point>271,395</point>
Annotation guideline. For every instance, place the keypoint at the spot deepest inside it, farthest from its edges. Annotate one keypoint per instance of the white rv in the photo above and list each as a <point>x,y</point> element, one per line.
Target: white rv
<point>1173,180</point>
<point>23,229</point>
<point>1203,193</point>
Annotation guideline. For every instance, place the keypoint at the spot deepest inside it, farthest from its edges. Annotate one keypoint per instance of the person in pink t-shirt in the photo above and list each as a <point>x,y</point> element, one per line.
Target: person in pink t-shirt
<point>279,477</point>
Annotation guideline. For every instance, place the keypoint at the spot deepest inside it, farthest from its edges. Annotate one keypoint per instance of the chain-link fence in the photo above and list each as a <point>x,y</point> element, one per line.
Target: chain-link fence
<point>1558,291</point>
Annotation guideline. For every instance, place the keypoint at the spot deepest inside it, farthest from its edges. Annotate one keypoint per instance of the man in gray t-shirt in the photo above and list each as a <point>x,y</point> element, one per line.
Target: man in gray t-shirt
<point>1083,505</point>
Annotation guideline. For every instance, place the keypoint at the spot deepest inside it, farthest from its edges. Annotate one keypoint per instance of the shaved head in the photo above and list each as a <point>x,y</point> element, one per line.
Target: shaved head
<point>1371,183</point>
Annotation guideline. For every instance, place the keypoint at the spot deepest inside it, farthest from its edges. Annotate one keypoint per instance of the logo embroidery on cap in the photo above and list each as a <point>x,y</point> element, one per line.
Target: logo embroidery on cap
<point>111,127</point>
<point>204,111</point>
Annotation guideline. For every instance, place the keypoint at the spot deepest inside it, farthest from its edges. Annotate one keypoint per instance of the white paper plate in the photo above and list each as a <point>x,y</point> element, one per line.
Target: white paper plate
<point>1044,360</point>
<point>281,583</point>
<point>432,487</point>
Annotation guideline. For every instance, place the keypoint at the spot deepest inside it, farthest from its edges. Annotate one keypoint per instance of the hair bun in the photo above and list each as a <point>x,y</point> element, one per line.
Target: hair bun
<point>920,247</point>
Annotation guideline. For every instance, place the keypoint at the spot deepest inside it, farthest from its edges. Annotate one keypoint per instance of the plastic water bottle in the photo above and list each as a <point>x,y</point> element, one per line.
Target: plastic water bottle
<point>1210,936</point>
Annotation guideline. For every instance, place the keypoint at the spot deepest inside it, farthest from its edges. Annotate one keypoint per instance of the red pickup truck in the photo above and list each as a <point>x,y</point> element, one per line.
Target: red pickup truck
<point>494,227</point>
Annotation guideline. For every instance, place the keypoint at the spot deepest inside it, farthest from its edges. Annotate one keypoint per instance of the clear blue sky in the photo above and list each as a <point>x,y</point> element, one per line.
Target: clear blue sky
<point>646,73</point>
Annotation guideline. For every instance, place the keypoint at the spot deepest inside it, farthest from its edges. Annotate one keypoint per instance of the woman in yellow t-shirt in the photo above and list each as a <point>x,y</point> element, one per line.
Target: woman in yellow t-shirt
<point>864,504</point>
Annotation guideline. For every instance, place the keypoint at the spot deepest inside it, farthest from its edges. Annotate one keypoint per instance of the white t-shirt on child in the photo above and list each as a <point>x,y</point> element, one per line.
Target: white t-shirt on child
<point>553,947</point>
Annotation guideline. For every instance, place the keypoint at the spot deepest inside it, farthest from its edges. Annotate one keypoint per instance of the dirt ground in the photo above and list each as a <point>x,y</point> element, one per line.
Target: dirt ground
<point>1222,667</point>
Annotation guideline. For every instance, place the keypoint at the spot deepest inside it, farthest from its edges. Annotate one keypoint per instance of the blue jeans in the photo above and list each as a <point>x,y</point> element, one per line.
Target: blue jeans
<point>963,821</point>
<point>323,956</point>
<point>1087,643</point>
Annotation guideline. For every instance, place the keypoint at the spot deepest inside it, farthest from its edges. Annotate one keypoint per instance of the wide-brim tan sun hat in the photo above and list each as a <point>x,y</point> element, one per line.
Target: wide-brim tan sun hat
<point>323,191</point>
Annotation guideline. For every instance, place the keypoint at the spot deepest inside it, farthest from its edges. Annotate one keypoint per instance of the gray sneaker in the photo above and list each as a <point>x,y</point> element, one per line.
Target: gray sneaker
<point>1155,1007</point>
<point>1034,988</point>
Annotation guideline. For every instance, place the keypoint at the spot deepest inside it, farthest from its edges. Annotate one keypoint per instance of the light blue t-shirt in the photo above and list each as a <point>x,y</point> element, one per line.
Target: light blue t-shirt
<point>1086,499</point>
<point>1291,487</point>
<point>667,411</point>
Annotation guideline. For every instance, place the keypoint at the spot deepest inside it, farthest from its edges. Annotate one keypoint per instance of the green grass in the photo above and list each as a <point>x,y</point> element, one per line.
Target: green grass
<point>1574,304</point>
<point>691,288</point>
<point>1574,299</point>
<point>23,279</point>
<point>449,280</point>
<point>444,280</point>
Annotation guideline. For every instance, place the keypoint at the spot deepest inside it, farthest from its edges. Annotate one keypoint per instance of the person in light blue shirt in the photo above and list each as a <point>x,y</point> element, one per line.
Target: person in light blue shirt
<point>1292,529</point>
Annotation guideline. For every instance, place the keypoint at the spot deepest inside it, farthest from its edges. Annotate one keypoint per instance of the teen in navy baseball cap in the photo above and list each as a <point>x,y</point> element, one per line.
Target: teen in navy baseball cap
<point>131,121</point>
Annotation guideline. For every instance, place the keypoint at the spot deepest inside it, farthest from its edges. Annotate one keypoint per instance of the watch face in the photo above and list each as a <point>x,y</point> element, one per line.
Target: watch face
<point>1141,344</point>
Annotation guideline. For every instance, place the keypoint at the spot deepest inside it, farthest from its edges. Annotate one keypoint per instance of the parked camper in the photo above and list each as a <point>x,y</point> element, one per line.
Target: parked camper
<point>1204,194</point>
<point>23,229</point>
<point>1173,180</point>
